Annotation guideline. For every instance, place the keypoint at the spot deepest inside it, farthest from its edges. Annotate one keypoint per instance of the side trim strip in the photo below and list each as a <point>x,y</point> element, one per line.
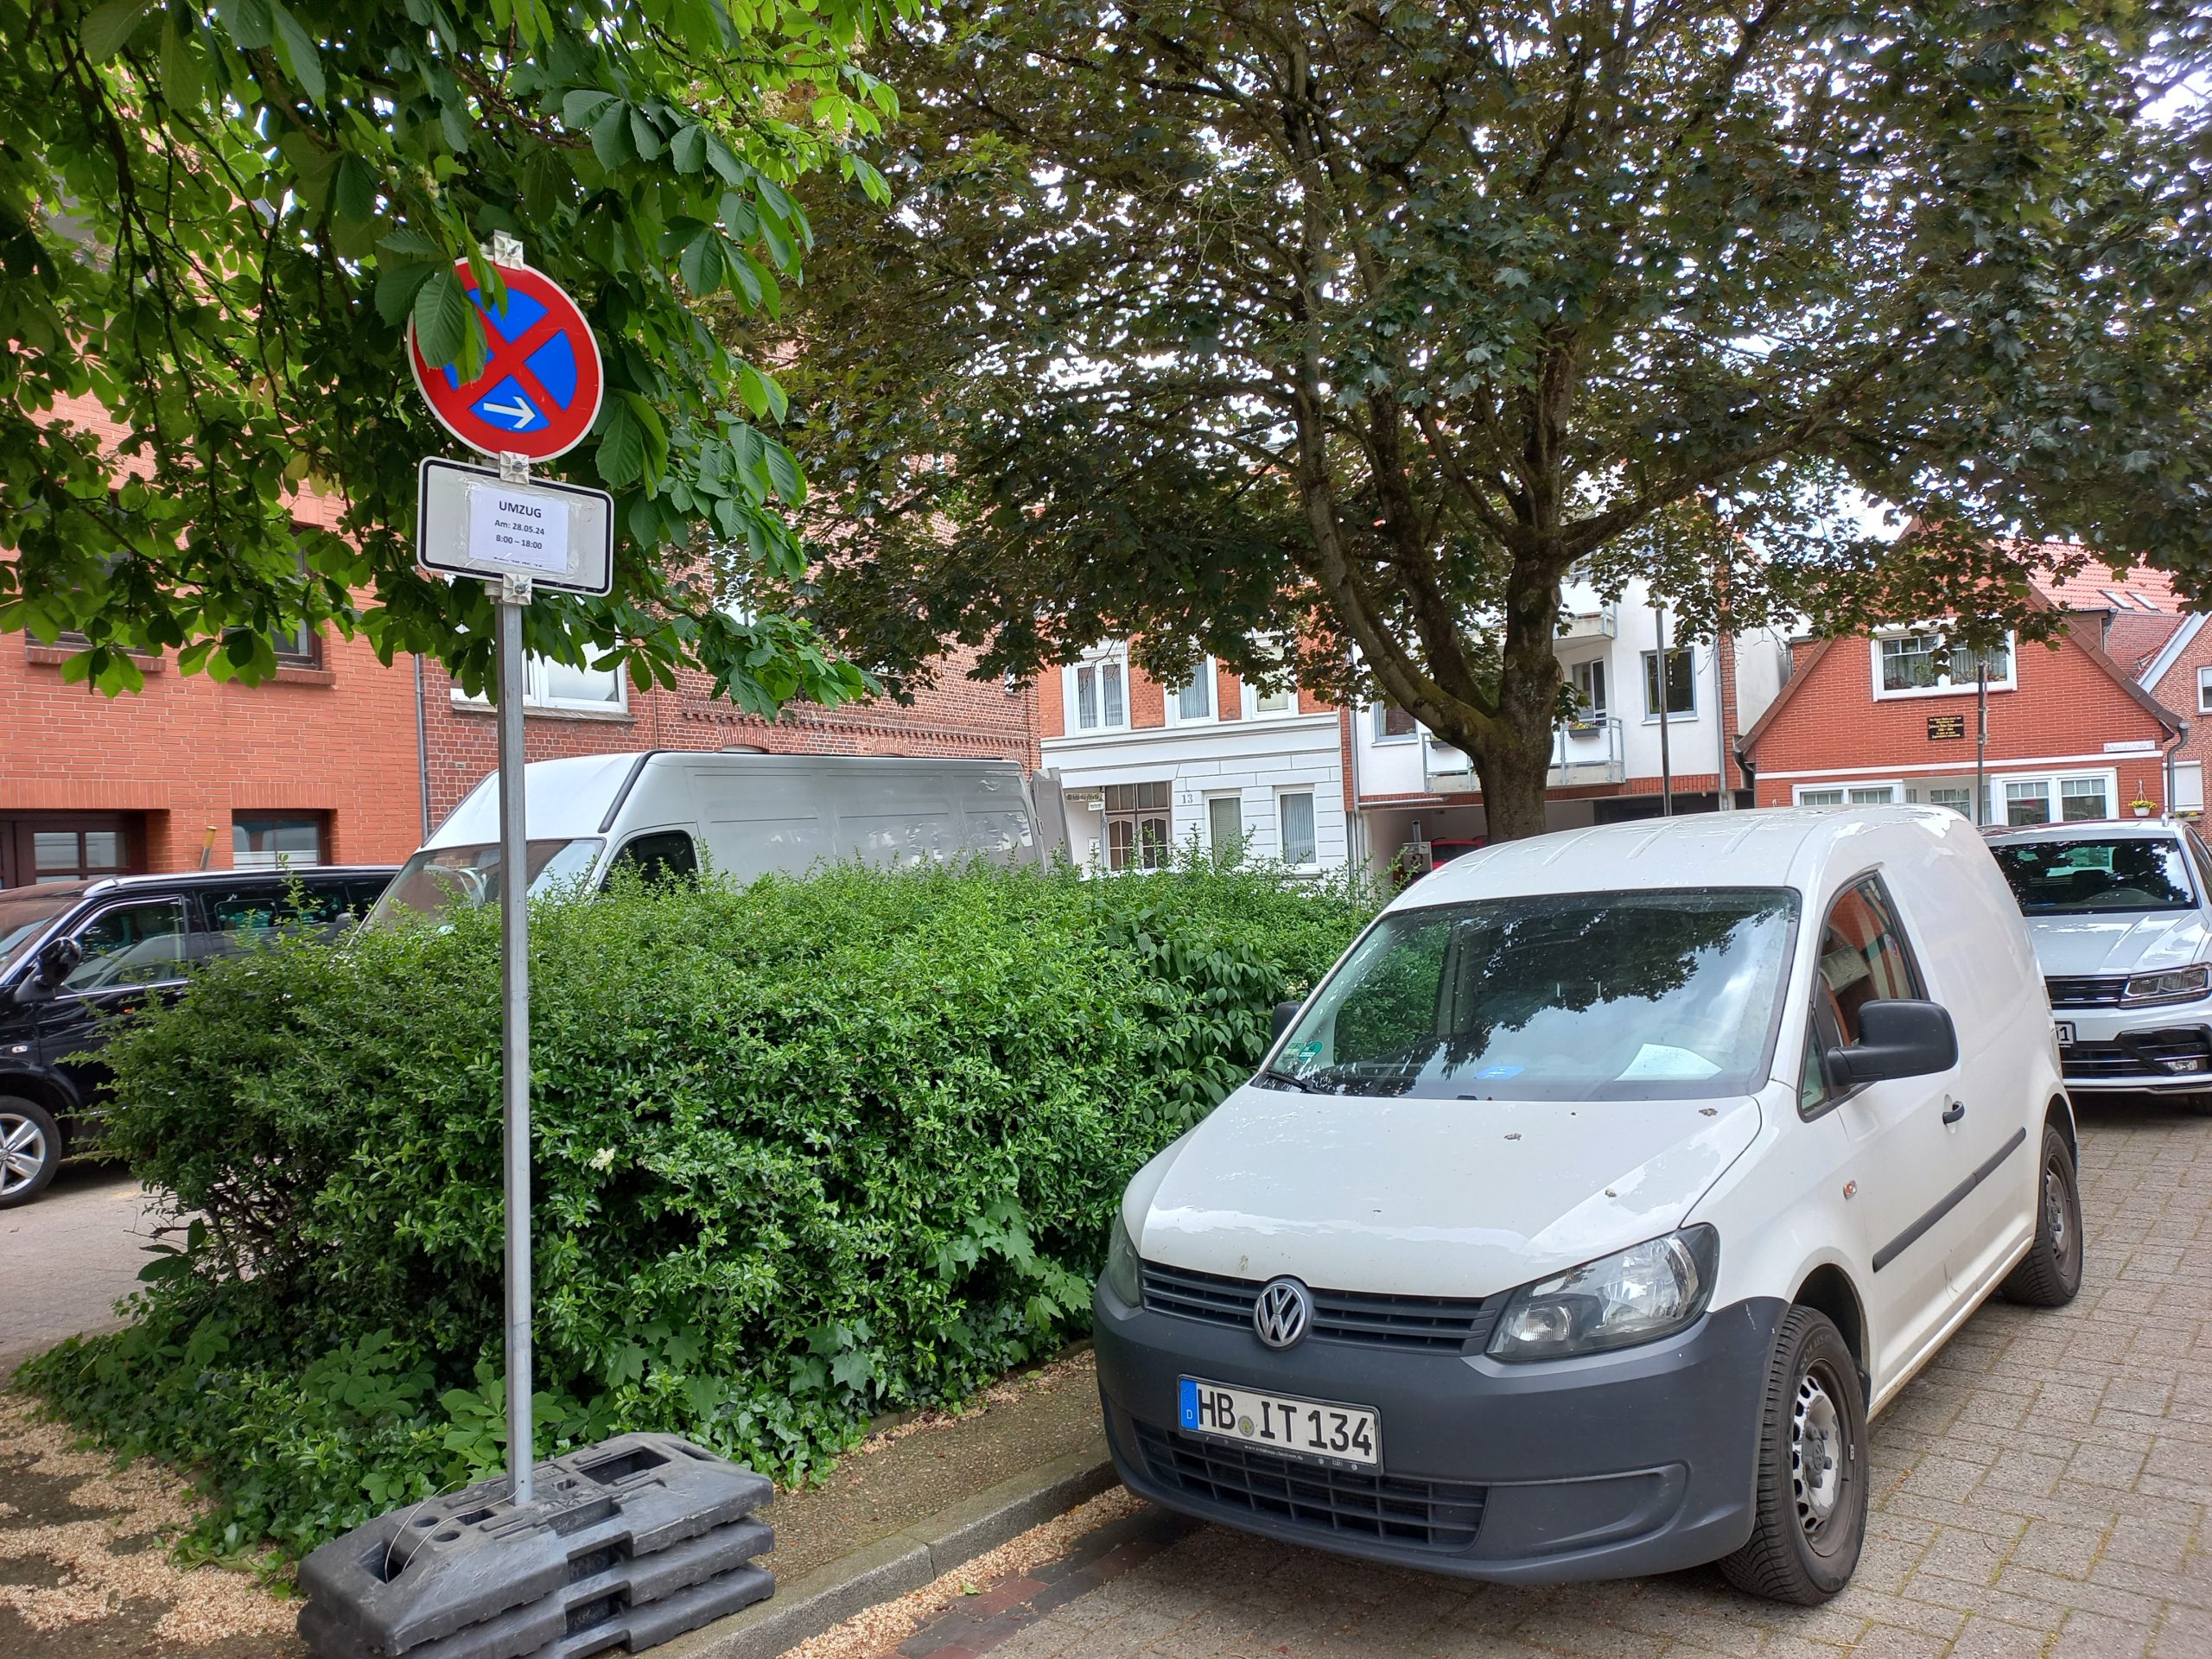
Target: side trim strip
<point>1905,1240</point>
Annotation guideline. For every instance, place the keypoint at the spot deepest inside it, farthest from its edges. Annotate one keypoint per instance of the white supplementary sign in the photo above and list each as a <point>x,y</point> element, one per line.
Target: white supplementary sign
<point>471,522</point>
<point>513,524</point>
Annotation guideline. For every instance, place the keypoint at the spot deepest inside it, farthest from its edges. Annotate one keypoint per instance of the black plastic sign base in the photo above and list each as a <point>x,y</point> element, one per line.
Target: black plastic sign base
<point>626,1544</point>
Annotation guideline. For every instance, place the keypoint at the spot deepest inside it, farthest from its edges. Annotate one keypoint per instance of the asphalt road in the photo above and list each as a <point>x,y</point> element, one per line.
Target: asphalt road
<point>66,1258</point>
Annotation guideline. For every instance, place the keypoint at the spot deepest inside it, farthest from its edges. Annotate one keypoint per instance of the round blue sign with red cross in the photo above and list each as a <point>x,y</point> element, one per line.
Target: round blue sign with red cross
<point>541,386</point>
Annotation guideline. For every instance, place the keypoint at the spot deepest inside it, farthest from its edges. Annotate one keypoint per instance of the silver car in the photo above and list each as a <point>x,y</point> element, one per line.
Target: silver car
<point>2122,918</point>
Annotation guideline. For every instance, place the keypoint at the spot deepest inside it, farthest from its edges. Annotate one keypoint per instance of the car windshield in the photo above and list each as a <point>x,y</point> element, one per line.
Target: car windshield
<point>438,876</point>
<point>2098,873</point>
<point>1665,995</point>
<point>24,914</point>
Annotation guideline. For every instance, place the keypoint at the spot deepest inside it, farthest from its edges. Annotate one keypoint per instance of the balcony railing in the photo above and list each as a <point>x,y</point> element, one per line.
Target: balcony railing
<point>1583,752</point>
<point>1604,623</point>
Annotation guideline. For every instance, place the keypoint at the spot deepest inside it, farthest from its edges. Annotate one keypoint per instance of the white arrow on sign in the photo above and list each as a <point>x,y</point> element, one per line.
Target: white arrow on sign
<point>518,411</point>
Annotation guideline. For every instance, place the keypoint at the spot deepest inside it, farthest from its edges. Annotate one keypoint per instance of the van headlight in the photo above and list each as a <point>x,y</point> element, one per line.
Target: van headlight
<point>1646,1292</point>
<point>2173,985</point>
<point>1121,1276</point>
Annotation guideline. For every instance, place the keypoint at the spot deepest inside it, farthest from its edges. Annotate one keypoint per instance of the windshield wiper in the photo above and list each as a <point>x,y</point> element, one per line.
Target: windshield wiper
<point>1274,1076</point>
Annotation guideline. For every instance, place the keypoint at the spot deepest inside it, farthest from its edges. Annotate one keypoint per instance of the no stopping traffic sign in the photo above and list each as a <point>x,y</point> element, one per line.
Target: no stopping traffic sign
<point>541,386</point>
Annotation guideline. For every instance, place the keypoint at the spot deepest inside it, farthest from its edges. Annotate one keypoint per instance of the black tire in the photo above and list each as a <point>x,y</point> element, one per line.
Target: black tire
<point>30,1150</point>
<point>1810,1503</point>
<point>2050,1273</point>
<point>2196,1105</point>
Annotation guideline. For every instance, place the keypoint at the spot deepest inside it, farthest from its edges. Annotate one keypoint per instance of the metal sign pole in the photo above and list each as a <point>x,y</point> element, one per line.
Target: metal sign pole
<point>514,999</point>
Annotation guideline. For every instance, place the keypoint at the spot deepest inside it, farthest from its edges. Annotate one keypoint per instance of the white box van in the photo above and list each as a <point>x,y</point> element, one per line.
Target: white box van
<point>1581,1218</point>
<point>741,814</point>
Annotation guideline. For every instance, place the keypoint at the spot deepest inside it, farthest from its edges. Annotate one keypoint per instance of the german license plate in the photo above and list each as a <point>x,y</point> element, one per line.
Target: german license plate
<point>2065,1033</point>
<point>1300,1428</point>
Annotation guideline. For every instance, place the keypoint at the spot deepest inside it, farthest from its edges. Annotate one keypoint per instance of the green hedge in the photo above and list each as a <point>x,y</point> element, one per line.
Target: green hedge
<point>803,1151</point>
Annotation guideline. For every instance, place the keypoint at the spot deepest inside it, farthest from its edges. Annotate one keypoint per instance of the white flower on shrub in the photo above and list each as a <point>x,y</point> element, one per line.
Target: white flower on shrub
<point>603,1159</point>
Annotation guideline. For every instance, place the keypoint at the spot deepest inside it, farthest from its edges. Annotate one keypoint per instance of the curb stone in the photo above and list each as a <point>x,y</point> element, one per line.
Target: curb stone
<point>903,1562</point>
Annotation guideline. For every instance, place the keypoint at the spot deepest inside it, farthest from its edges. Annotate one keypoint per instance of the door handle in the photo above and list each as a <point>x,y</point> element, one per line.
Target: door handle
<point>1957,1110</point>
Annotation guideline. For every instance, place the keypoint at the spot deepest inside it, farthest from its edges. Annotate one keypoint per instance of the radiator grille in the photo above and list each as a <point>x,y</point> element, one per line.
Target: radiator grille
<point>1438,1323</point>
<point>1328,1501</point>
<point>2087,991</point>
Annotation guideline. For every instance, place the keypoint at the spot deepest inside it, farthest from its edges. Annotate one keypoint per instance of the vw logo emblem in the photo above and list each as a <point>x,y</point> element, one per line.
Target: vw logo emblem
<point>1283,1312</point>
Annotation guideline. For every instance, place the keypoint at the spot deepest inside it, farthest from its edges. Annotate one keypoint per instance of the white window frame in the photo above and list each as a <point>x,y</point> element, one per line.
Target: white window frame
<point>1596,712</point>
<point>1643,683</point>
<point>534,696</point>
<point>1890,792</point>
<point>1072,723</point>
<point>1943,687</point>
<point>2204,691</point>
<point>1282,847</point>
<point>2054,793</point>
<point>1251,697</point>
<point>1377,714</point>
<point>1173,697</point>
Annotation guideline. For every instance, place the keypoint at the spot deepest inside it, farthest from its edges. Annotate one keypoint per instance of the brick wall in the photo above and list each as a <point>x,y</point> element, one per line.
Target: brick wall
<point>2177,689</point>
<point>2065,705</point>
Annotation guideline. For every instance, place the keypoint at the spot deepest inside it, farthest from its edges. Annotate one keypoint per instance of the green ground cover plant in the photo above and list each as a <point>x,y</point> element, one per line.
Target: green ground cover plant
<point>804,1151</point>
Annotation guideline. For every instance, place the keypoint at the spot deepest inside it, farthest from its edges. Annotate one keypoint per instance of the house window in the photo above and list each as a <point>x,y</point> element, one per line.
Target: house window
<point>1295,818</point>
<point>1194,701</point>
<point>1099,703</point>
<point>1819,797</point>
<point>1137,826</point>
<point>260,842</point>
<point>1393,724</point>
<point>2080,799</point>
<point>563,685</point>
<point>1911,664</point>
<point>49,849</point>
<point>2204,691</point>
<point>549,685</point>
<point>1225,824</point>
<point>2028,802</point>
<point>1589,680</point>
<point>1282,700</point>
<point>1872,794</point>
<point>1961,801</point>
<point>1682,684</point>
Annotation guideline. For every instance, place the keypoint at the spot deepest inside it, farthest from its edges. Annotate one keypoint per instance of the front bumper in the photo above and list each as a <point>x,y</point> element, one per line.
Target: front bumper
<point>1617,1465</point>
<point>2164,1051</point>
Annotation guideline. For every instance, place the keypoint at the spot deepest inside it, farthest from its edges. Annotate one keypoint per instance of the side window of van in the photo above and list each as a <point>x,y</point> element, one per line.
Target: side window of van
<point>1864,959</point>
<point>664,856</point>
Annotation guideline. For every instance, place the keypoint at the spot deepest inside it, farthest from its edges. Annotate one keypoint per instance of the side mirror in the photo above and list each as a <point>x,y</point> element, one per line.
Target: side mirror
<point>1286,1016</point>
<point>58,959</point>
<point>1899,1037</point>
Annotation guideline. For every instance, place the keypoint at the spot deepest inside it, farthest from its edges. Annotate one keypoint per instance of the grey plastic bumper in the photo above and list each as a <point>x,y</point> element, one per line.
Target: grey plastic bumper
<point>1617,1465</point>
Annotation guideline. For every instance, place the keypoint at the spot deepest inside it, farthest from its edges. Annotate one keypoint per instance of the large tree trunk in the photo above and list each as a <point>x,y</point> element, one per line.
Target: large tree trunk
<point>1512,752</point>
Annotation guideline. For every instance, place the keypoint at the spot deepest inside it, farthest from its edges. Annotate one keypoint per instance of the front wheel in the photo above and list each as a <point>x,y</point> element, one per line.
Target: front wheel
<point>2050,1273</point>
<point>30,1148</point>
<point>1811,1497</point>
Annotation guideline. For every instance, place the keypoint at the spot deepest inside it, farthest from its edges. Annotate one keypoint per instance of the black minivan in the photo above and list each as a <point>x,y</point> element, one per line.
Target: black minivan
<point>76,953</point>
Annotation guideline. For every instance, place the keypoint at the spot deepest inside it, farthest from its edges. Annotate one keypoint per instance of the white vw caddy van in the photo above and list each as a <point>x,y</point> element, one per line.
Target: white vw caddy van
<point>1585,1214</point>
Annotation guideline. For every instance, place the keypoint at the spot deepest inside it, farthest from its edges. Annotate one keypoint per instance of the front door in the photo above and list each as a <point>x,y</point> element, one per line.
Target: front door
<point>134,950</point>
<point>1904,1159</point>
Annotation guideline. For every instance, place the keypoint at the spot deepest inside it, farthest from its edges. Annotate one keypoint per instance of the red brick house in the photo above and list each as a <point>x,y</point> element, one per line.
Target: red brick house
<point>2075,728</point>
<point>342,759</point>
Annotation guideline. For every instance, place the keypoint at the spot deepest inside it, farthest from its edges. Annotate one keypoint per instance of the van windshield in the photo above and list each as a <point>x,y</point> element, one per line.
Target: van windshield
<point>438,876</point>
<point>1634,995</point>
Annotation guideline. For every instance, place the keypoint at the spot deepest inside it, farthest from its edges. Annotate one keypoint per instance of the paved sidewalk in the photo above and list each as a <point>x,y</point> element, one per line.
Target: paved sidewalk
<point>67,1256</point>
<point>2041,1489</point>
